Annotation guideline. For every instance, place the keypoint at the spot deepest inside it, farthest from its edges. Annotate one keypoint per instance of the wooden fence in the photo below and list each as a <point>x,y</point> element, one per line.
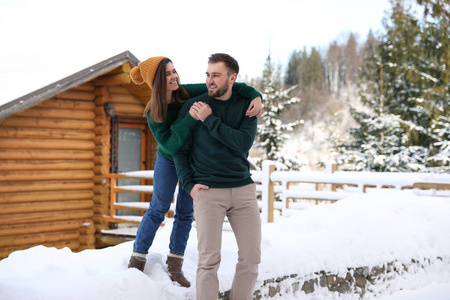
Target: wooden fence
<point>332,185</point>
<point>278,189</point>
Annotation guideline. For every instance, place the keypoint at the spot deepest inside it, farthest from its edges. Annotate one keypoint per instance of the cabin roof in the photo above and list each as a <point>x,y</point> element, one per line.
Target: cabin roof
<point>67,83</point>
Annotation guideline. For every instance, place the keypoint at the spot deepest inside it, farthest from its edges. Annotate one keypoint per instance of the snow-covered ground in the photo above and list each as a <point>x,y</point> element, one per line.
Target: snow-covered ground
<point>364,230</point>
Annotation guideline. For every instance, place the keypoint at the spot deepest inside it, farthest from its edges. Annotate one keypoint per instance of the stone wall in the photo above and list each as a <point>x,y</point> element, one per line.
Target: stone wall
<point>359,280</point>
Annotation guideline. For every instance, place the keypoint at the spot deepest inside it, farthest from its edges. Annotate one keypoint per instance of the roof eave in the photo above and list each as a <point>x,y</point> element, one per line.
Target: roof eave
<point>65,84</point>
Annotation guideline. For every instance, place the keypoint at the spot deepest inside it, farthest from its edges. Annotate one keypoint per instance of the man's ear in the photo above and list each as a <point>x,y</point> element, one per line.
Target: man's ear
<point>233,77</point>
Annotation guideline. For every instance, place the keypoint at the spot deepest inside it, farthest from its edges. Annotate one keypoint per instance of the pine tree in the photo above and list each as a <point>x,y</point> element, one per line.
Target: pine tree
<point>416,73</point>
<point>404,87</point>
<point>311,85</point>
<point>441,134</point>
<point>292,73</point>
<point>436,62</point>
<point>381,147</point>
<point>313,70</point>
<point>272,134</point>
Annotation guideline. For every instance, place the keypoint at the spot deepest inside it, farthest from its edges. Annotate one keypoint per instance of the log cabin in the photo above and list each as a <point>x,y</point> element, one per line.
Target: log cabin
<point>56,145</point>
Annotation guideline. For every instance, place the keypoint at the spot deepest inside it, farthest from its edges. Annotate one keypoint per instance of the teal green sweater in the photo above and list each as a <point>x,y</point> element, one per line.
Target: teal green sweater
<point>173,133</point>
<point>216,153</point>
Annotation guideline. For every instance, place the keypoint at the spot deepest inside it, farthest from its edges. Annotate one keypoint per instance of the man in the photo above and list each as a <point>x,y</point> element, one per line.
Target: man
<point>214,169</point>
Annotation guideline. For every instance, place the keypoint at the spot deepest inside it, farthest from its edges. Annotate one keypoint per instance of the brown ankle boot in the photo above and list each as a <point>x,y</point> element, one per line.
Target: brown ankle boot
<point>174,265</point>
<point>137,262</point>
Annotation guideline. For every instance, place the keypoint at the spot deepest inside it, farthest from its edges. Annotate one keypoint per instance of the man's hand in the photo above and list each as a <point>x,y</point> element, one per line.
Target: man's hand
<point>202,110</point>
<point>255,108</point>
<point>197,188</point>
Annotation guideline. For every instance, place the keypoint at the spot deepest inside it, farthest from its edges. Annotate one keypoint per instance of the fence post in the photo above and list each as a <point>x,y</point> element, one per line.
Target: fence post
<point>330,167</point>
<point>267,193</point>
<point>112,196</point>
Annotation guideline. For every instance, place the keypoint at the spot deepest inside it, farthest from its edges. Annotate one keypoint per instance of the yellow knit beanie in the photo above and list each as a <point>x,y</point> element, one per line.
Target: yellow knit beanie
<point>146,70</point>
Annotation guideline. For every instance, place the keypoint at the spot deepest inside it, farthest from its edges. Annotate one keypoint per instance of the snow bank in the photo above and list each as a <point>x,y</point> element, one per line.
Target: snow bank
<point>364,230</point>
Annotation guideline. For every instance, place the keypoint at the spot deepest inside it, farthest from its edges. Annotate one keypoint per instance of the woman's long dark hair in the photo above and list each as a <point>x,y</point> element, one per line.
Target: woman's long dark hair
<point>158,104</point>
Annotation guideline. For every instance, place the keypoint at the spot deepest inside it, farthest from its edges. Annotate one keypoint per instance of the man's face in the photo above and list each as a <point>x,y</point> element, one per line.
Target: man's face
<point>217,80</point>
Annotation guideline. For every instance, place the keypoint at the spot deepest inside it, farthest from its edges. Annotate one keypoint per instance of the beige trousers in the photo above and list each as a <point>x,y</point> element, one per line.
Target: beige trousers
<point>241,208</point>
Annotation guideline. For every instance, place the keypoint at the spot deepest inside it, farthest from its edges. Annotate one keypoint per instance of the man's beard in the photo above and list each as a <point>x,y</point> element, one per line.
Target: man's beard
<point>219,91</point>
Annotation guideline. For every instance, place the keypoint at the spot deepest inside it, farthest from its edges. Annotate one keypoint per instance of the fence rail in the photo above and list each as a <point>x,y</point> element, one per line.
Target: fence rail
<point>318,186</point>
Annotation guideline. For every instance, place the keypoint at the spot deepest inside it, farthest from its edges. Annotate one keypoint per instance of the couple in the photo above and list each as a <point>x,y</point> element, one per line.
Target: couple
<point>202,142</point>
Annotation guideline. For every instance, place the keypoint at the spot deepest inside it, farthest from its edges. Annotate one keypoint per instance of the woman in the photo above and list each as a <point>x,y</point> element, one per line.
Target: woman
<point>171,133</point>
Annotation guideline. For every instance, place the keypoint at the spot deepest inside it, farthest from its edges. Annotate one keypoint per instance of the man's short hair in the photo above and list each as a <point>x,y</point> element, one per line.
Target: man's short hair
<point>230,62</point>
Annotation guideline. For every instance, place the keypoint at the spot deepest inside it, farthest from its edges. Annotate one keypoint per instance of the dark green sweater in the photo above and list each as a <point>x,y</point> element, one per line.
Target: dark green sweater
<point>173,133</point>
<point>216,153</point>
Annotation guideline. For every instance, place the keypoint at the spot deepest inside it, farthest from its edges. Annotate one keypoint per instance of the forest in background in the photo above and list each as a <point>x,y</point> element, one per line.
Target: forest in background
<point>380,104</point>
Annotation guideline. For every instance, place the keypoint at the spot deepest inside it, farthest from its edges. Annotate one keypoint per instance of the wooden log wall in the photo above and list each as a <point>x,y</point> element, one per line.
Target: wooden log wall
<point>124,104</point>
<point>47,174</point>
<point>102,159</point>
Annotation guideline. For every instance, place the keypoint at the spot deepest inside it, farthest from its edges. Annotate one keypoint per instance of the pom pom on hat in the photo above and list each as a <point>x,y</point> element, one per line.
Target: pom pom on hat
<point>146,70</point>
<point>135,75</point>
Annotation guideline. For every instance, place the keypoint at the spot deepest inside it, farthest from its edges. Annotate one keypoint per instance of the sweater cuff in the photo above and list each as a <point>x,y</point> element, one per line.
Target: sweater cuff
<point>190,121</point>
<point>188,187</point>
<point>208,120</point>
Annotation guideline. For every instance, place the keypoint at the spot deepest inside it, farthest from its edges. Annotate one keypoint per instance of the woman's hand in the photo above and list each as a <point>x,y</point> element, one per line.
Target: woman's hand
<point>193,113</point>
<point>202,110</point>
<point>255,108</point>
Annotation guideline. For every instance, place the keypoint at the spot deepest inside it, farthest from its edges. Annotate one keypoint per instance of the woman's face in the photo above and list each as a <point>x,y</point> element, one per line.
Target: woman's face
<point>171,78</point>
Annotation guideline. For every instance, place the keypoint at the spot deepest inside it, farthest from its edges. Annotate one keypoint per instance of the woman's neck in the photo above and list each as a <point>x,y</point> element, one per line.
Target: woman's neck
<point>169,97</point>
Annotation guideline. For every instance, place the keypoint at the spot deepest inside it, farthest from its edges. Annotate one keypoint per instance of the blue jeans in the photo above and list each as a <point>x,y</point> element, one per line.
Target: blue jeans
<point>165,180</point>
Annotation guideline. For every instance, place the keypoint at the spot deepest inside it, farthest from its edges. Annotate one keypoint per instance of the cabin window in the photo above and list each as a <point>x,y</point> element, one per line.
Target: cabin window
<point>131,150</point>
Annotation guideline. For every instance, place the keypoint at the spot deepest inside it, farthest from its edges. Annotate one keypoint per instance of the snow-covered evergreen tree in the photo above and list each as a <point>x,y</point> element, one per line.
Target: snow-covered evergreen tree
<point>405,87</point>
<point>381,147</point>
<point>441,134</point>
<point>272,133</point>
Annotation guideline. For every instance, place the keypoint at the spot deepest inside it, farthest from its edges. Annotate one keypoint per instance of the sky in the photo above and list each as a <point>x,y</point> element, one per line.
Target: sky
<point>369,229</point>
<point>45,41</point>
